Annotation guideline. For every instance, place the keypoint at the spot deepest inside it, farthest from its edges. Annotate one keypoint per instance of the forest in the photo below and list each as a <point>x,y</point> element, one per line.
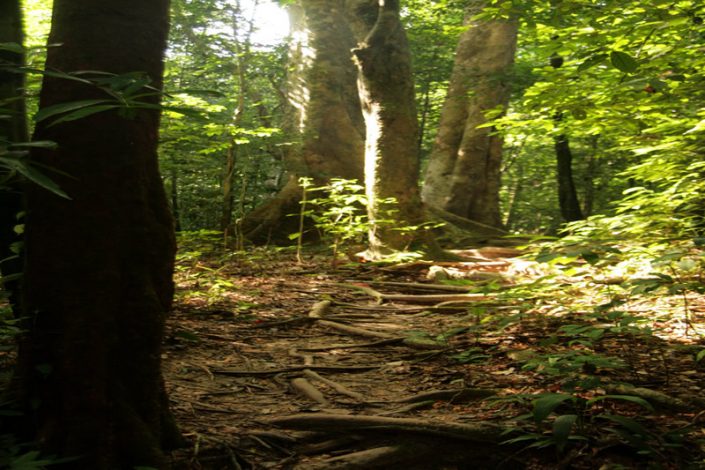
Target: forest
<point>352,234</point>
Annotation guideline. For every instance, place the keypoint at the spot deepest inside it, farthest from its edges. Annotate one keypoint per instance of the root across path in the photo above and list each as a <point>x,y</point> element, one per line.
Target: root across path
<point>298,367</point>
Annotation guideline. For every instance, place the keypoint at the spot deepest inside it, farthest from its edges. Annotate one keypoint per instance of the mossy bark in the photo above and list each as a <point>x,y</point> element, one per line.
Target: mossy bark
<point>387,96</point>
<point>463,176</point>
<point>99,266</point>
<point>323,114</point>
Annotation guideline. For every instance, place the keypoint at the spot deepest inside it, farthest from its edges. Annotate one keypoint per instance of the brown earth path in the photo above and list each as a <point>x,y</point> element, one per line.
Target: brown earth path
<point>280,365</point>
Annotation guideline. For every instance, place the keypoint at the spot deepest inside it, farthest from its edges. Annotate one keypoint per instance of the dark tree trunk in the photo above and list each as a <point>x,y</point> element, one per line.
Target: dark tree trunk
<point>174,195</point>
<point>388,104</point>
<point>567,195</point>
<point>323,114</point>
<point>12,130</point>
<point>99,266</point>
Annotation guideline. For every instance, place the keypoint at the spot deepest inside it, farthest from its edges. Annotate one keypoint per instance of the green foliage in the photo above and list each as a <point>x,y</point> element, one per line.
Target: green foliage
<point>340,212</point>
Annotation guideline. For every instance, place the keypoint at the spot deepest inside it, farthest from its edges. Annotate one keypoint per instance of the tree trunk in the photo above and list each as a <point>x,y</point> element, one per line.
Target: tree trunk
<point>99,266</point>
<point>567,195</point>
<point>243,56</point>
<point>12,130</point>
<point>463,175</point>
<point>323,114</point>
<point>387,97</point>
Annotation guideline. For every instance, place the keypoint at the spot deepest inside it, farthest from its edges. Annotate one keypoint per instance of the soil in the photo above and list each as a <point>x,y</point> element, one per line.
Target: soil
<point>274,364</point>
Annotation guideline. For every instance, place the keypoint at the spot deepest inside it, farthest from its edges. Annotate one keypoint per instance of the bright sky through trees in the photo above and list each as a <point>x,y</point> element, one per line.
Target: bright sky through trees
<point>271,20</point>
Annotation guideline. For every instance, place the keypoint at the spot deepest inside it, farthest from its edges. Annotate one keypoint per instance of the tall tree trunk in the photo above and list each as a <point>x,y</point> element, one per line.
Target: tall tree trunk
<point>567,195</point>
<point>12,130</point>
<point>174,196</point>
<point>463,175</point>
<point>323,114</point>
<point>388,104</point>
<point>99,266</point>
<point>241,61</point>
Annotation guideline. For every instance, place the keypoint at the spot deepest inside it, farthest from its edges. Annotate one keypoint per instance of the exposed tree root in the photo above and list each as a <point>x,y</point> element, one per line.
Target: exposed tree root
<point>484,433</point>
<point>377,457</point>
<point>355,330</point>
<point>461,395</point>
<point>658,399</point>
<point>432,299</point>
<point>305,388</point>
<point>319,309</point>
<point>422,287</point>
<point>284,370</point>
<point>334,385</point>
<point>373,344</point>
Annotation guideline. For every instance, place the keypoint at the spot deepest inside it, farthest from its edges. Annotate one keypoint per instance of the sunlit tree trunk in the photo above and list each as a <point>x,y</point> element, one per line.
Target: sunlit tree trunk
<point>99,266</point>
<point>387,97</point>
<point>463,175</point>
<point>13,128</point>
<point>323,113</point>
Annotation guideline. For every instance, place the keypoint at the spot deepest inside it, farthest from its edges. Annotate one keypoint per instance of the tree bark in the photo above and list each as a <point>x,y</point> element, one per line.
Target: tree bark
<point>387,97</point>
<point>99,266</point>
<point>567,194</point>
<point>463,176</point>
<point>12,130</point>
<point>323,114</point>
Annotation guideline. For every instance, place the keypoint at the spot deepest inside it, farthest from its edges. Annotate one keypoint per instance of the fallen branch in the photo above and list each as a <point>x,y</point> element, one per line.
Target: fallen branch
<point>347,423</point>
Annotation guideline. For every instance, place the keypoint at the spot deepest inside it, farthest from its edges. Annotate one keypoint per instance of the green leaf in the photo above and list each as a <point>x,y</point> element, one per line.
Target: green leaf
<point>623,61</point>
<point>61,108</point>
<point>545,405</point>
<point>626,423</point>
<point>699,357</point>
<point>11,47</point>
<point>81,113</point>
<point>562,427</point>
<point>33,175</point>
<point>42,144</point>
<point>591,62</point>
<point>629,398</point>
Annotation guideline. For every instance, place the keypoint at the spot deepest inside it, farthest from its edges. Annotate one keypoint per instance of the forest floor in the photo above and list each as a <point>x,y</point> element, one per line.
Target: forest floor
<point>276,364</point>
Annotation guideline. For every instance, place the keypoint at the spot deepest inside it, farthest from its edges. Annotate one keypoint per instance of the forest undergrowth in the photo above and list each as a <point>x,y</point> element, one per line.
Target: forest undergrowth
<point>550,357</point>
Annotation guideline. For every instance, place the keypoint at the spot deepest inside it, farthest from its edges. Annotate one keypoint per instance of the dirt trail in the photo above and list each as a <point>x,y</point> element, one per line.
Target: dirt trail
<point>353,368</point>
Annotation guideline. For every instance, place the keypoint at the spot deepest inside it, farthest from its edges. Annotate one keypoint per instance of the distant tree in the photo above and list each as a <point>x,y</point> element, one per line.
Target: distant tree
<point>99,266</point>
<point>463,174</point>
<point>13,129</point>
